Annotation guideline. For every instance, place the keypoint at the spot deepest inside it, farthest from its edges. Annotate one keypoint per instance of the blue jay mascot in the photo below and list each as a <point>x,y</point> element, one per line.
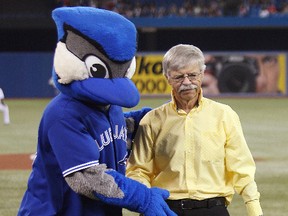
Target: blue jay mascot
<point>79,169</point>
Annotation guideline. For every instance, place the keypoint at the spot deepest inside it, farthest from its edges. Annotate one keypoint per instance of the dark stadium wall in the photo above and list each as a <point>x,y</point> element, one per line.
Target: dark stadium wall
<point>26,74</point>
<point>215,39</point>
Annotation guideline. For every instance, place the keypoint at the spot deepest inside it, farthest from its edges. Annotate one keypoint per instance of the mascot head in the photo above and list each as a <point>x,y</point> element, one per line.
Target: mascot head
<point>95,56</point>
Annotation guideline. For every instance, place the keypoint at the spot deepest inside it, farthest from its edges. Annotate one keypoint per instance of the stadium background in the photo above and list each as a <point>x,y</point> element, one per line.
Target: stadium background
<point>28,39</point>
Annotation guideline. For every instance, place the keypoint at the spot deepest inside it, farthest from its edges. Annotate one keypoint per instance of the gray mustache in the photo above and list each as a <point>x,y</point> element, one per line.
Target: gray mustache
<point>187,87</point>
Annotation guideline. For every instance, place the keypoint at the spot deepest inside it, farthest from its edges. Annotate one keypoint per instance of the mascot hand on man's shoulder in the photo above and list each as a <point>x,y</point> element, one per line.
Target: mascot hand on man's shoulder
<point>80,163</point>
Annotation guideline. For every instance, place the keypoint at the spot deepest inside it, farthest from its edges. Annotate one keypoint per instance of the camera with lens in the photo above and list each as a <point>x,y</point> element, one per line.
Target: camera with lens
<point>235,73</point>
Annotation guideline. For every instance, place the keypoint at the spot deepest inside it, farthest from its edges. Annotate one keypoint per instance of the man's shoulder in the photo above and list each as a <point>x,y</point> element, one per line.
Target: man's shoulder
<point>156,115</point>
<point>160,108</point>
<point>213,104</point>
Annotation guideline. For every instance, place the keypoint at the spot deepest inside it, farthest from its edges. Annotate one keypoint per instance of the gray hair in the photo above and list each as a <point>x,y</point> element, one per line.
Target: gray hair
<point>180,56</point>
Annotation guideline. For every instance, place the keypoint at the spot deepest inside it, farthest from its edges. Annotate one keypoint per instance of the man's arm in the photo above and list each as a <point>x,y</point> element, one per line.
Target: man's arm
<point>240,163</point>
<point>140,162</point>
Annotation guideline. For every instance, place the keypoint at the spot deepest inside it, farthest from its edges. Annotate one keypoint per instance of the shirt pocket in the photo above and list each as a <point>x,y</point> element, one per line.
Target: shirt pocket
<point>212,147</point>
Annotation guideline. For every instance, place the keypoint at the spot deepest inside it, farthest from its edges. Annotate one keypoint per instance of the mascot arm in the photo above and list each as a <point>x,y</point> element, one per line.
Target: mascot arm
<point>133,119</point>
<point>137,115</point>
<point>113,188</point>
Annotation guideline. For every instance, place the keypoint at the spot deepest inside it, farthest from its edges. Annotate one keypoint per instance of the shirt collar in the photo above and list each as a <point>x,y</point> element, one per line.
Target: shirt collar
<point>199,105</point>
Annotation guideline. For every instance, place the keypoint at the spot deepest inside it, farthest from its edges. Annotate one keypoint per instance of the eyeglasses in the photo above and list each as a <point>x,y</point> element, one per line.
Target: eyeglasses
<point>190,76</point>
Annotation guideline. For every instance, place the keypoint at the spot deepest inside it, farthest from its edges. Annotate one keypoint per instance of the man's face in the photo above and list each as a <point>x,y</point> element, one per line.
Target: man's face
<point>186,82</point>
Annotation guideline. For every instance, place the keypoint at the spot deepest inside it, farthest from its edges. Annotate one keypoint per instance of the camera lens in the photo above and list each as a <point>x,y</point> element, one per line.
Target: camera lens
<point>237,78</point>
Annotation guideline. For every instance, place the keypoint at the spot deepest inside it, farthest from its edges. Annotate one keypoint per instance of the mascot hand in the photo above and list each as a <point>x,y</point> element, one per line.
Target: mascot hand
<point>157,204</point>
<point>133,119</point>
<point>136,197</point>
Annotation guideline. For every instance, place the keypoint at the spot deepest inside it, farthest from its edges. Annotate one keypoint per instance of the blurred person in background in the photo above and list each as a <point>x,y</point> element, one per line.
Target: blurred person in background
<point>4,108</point>
<point>260,74</point>
<point>193,146</point>
<point>267,79</point>
<point>210,82</point>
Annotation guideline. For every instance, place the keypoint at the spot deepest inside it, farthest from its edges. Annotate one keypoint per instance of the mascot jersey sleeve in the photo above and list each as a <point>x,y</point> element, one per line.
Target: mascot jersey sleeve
<point>80,166</point>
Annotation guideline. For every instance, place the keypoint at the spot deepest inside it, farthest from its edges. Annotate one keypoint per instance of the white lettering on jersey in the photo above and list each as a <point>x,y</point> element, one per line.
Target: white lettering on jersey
<point>106,137</point>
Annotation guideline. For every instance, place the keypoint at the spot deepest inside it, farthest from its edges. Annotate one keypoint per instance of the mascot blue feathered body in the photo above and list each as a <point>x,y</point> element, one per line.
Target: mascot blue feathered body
<point>81,154</point>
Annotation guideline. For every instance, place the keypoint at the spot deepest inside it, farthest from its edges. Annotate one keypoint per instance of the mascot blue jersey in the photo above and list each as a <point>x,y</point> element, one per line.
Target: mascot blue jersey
<point>79,169</point>
<point>73,136</point>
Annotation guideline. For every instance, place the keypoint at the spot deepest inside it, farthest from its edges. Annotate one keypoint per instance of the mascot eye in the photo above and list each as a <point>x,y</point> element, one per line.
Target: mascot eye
<point>96,67</point>
<point>131,70</point>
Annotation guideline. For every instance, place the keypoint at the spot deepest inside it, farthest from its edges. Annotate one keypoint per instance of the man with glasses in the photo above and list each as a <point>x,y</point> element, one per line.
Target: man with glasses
<point>193,146</point>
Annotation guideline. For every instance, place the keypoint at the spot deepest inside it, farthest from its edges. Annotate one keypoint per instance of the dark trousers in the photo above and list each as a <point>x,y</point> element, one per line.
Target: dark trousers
<point>211,207</point>
<point>214,211</point>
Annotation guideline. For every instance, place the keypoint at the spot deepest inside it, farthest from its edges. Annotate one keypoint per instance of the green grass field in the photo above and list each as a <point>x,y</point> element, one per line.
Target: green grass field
<point>264,121</point>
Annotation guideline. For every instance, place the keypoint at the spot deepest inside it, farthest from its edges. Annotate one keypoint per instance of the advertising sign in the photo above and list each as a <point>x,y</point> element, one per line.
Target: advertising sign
<point>148,77</point>
<point>263,73</point>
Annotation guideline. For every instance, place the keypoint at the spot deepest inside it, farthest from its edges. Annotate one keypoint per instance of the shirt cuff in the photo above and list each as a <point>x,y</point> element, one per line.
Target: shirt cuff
<point>254,208</point>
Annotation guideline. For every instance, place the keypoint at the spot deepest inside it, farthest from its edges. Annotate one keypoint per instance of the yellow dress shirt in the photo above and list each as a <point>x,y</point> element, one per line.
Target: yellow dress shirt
<point>197,155</point>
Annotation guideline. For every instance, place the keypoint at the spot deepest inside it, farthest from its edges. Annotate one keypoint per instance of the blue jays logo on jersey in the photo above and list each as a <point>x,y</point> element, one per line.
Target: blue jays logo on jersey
<point>106,138</point>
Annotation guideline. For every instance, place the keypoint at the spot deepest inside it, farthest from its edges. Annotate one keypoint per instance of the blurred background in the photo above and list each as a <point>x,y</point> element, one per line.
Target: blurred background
<point>244,41</point>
